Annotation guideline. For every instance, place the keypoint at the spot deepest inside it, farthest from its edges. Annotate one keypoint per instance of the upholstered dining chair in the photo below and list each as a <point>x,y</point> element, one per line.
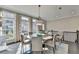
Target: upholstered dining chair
<point>19,50</point>
<point>52,44</point>
<point>25,45</point>
<point>59,36</point>
<point>37,45</point>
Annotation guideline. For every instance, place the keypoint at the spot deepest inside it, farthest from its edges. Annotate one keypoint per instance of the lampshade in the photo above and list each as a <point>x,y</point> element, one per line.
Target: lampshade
<point>39,22</point>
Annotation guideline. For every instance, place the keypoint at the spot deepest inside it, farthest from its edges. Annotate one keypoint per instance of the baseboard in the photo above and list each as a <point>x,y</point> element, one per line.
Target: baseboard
<point>13,42</point>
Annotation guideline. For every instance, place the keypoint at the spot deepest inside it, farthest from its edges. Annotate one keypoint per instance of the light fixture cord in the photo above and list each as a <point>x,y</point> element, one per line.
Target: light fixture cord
<point>39,11</point>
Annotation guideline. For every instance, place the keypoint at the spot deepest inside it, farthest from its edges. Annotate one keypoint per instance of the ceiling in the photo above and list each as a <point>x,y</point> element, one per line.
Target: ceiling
<point>47,12</point>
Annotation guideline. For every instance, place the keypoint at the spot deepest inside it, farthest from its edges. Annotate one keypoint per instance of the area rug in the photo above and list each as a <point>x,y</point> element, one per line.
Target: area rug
<point>61,48</point>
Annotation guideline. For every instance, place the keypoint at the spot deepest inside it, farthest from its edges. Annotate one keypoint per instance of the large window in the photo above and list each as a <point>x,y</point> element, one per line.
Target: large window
<point>0,27</point>
<point>24,25</point>
<point>9,26</point>
<point>34,26</point>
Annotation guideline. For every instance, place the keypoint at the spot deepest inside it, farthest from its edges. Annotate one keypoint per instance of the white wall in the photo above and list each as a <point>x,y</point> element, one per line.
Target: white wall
<point>70,36</point>
<point>65,24</point>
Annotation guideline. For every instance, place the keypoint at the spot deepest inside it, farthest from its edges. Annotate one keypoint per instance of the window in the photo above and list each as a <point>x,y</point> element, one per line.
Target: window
<point>0,28</point>
<point>9,26</point>
<point>34,26</point>
<point>24,25</point>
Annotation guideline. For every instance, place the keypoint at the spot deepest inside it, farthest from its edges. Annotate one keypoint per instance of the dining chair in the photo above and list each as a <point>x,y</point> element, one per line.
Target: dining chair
<point>19,50</point>
<point>37,45</point>
<point>25,45</point>
<point>52,43</point>
<point>60,36</point>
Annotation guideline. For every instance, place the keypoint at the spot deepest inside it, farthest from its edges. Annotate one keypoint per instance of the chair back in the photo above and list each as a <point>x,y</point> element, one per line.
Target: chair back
<point>36,44</point>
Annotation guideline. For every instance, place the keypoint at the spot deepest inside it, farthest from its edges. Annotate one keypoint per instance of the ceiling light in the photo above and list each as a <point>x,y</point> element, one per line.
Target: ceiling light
<point>39,18</point>
<point>34,20</point>
<point>72,12</point>
<point>56,16</point>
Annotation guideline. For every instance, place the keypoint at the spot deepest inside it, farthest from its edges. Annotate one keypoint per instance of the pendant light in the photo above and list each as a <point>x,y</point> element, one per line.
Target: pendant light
<point>39,17</point>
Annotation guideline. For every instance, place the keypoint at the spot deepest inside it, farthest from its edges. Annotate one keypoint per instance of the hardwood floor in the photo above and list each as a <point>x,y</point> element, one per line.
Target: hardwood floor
<point>73,48</point>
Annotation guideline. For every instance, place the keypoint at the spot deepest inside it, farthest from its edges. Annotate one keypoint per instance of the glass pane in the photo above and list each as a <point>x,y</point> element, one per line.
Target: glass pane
<point>34,26</point>
<point>9,29</point>
<point>24,18</point>
<point>24,25</point>
<point>9,26</point>
<point>0,31</point>
<point>1,13</point>
<point>7,14</point>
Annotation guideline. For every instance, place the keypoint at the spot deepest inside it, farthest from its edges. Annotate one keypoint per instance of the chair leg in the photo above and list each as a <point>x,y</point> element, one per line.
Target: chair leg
<point>55,46</point>
<point>54,50</point>
<point>41,52</point>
